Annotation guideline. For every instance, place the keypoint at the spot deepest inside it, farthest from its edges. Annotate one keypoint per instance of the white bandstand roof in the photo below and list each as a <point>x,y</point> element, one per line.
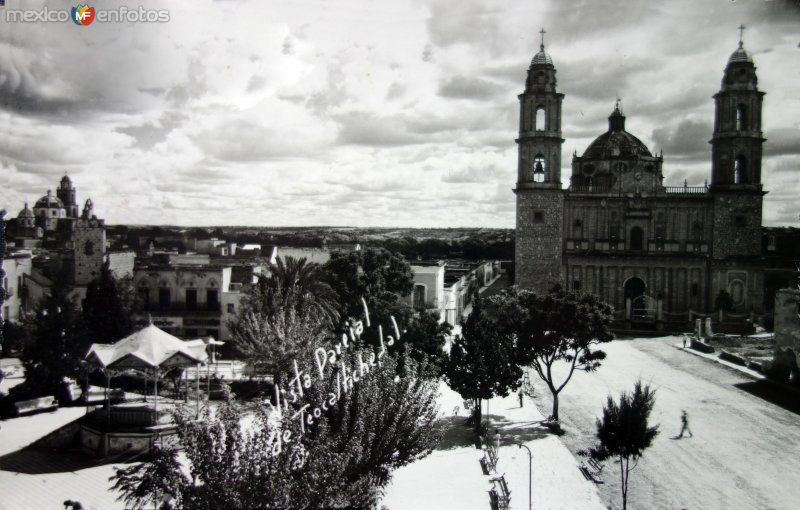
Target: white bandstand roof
<point>150,347</point>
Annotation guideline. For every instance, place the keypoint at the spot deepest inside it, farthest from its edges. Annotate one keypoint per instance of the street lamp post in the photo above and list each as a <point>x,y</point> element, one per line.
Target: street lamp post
<point>530,473</point>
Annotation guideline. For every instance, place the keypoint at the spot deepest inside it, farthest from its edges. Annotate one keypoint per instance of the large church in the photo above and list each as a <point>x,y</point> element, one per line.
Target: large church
<point>660,254</point>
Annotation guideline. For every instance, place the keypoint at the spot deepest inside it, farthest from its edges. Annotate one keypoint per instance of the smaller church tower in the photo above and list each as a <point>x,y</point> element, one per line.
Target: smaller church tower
<point>66,193</point>
<point>540,199</point>
<point>736,159</point>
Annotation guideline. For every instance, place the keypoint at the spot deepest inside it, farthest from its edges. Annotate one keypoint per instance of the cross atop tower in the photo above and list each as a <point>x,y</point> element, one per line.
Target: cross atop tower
<point>741,34</point>
<point>542,43</point>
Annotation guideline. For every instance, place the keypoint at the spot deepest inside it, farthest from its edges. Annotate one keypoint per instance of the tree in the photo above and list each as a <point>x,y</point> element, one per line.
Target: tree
<point>386,420</point>
<point>559,326</point>
<point>283,315</point>
<point>272,338</point>
<point>311,294</point>
<point>109,307</point>
<point>378,276</point>
<point>624,432</point>
<point>147,483</point>
<point>426,337</point>
<point>56,343</point>
<point>482,361</point>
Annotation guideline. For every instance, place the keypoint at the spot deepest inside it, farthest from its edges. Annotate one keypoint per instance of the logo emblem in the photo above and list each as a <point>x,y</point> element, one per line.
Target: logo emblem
<point>83,15</point>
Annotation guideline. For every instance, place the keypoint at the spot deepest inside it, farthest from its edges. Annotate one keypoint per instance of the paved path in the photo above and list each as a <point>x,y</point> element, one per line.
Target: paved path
<point>744,453</point>
<point>451,477</point>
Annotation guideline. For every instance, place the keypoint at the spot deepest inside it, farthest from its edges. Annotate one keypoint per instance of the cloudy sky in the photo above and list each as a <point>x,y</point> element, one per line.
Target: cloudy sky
<point>368,112</point>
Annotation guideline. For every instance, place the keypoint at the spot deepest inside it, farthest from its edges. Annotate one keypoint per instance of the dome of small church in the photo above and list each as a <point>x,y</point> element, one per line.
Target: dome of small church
<point>25,212</point>
<point>616,142</point>
<point>48,201</point>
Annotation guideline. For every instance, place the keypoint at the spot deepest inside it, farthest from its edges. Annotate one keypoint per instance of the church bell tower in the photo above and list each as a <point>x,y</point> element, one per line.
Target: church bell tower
<point>736,148</point>
<point>540,199</point>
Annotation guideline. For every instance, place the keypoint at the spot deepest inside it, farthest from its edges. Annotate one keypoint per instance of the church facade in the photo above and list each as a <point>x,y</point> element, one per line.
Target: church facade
<point>658,253</point>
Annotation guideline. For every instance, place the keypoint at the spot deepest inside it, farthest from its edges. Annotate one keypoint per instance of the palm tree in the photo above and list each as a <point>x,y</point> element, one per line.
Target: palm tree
<point>303,286</point>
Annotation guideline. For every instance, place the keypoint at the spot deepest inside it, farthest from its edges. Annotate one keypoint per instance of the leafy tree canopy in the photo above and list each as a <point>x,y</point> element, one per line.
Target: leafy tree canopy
<point>555,327</point>
<point>482,362</point>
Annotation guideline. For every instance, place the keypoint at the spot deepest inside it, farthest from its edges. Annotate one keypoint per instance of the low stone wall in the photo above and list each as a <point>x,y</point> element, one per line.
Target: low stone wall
<point>104,444</point>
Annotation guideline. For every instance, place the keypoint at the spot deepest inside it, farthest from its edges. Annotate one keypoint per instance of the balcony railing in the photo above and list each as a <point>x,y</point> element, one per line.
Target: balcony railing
<point>588,188</point>
<point>695,190</point>
<point>183,309</point>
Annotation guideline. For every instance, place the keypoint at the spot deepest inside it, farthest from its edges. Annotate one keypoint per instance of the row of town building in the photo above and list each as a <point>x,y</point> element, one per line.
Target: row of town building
<point>189,293</point>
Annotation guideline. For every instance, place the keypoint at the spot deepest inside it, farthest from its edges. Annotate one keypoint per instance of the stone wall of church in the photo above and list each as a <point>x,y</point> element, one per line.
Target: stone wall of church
<point>539,241</point>
<point>737,225</point>
<point>681,282</point>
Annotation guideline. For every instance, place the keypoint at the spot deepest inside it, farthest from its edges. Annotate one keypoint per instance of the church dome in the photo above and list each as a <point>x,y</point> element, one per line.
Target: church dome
<point>616,142</point>
<point>25,212</point>
<point>66,181</point>
<point>48,201</point>
<point>541,58</point>
<point>740,56</point>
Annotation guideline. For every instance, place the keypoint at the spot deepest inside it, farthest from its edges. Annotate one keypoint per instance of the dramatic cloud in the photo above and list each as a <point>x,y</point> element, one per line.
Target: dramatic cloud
<point>358,112</point>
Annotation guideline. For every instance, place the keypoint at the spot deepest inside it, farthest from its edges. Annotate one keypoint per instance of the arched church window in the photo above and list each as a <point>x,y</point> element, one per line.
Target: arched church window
<point>577,229</point>
<point>741,118</point>
<point>697,231</point>
<point>539,119</point>
<point>740,170</point>
<point>539,167</point>
<point>637,238</point>
<point>588,170</point>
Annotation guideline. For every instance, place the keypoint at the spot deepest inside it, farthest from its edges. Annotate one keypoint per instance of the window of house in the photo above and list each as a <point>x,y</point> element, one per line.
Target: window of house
<point>419,296</point>
<point>212,299</point>
<point>144,296</point>
<point>164,298</point>
<point>538,216</point>
<point>191,299</point>
<point>231,308</point>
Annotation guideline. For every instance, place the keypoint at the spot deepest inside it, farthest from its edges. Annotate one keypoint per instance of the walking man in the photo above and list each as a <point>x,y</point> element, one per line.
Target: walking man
<point>685,425</point>
<point>520,398</point>
<point>684,341</point>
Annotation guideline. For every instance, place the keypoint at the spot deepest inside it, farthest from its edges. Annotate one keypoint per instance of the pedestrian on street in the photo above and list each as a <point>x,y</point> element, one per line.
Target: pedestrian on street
<point>685,424</point>
<point>520,397</point>
<point>684,341</point>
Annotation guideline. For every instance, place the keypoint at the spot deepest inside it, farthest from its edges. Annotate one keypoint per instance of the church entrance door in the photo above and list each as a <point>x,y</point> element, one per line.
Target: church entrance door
<point>641,308</point>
